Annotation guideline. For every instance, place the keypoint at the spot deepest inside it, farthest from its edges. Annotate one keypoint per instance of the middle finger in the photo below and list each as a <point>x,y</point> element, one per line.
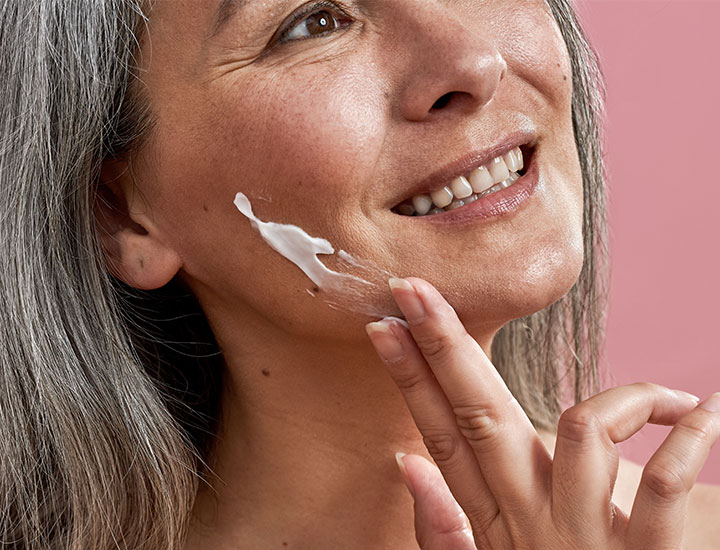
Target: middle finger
<point>434,418</point>
<point>512,458</point>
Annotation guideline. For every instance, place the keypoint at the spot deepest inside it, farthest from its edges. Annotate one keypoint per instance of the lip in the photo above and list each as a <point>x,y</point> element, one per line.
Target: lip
<point>467,164</point>
<point>498,203</point>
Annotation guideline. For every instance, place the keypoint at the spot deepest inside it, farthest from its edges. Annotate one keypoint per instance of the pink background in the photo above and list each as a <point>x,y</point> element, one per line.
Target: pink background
<point>660,60</point>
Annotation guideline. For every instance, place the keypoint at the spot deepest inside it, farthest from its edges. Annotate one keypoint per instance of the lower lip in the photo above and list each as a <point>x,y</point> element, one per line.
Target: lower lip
<point>495,204</point>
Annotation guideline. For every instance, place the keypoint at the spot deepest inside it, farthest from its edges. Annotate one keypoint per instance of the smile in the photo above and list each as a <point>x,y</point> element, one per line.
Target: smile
<point>500,173</point>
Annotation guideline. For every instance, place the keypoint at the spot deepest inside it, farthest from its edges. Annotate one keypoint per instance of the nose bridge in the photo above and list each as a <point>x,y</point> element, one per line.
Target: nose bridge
<point>433,52</point>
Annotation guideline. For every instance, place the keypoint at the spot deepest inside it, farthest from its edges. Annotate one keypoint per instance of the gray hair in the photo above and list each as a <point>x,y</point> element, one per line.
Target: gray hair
<point>109,395</point>
<point>561,346</point>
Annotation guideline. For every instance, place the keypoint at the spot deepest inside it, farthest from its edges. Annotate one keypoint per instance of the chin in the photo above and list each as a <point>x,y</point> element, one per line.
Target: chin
<point>540,280</point>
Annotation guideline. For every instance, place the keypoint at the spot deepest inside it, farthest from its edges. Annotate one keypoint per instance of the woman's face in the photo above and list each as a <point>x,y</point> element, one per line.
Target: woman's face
<point>335,123</point>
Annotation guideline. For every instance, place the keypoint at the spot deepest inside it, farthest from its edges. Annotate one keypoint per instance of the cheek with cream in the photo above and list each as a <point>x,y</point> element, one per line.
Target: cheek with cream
<point>346,292</point>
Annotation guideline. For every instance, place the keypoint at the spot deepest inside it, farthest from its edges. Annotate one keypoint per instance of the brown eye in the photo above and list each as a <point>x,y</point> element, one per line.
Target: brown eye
<point>319,23</point>
<point>315,24</point>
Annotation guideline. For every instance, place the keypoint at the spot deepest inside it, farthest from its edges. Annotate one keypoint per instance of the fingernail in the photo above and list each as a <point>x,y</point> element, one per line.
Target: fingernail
<point>384,340</point>
<point>686,395</point>
<point>403,471</point>
<point>408,300</point>
<point>397,320</point>
<point>712,403</point>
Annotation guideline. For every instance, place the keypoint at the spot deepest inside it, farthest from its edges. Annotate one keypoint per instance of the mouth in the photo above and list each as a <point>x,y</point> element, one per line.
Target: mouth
<point>472,184</point>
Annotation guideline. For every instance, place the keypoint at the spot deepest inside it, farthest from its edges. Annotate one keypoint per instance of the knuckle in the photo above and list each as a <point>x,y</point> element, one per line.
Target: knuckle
<point>437,346</point>
<point>482,521</point>
<point>443,448</point>
<point>460,525</point>
<point>478,425</point>
<point>409,380</point>
<point>645,386</point>
<point>578,424</point>
<point>664,482</point>
<point>456,536</point>
<point>696,428</point>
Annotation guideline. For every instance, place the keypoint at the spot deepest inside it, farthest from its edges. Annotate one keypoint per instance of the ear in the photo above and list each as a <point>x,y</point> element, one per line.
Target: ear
<point>134,249</point>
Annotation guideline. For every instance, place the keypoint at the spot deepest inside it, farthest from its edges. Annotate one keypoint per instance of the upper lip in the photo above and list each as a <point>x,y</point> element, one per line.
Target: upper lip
<point>466,164</point>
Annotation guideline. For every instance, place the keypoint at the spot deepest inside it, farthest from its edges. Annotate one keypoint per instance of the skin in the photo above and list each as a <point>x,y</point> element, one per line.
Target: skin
<point>317,136</point>
<point>474,429</point>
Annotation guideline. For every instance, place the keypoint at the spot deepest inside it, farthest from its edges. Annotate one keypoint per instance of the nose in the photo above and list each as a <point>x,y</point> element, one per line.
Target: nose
<point>440,61</point>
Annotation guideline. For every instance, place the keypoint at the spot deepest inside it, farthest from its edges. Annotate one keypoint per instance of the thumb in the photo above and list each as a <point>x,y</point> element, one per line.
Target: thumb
<point>440,523</point>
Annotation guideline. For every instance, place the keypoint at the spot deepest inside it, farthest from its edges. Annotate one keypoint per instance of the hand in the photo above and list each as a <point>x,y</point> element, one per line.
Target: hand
<point>501,489</point>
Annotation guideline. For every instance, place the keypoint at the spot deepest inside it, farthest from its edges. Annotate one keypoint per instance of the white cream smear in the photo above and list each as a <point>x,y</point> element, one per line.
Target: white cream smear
<point>290,241</point>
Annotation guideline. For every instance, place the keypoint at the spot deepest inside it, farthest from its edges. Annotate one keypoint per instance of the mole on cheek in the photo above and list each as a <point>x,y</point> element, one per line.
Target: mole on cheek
<point>205,208</point>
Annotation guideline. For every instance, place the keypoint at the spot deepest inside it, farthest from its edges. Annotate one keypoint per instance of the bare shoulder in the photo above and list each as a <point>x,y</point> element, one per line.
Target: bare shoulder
<point>702,530</point>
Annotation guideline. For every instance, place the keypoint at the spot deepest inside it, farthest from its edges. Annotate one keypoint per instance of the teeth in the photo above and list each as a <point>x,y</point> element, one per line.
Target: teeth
<point>511,161</point>
<point>481,180</point>
<point>422,204</point>
<point>461,188</point>
<point>442,198</point>
<point>499,170</point>
<point>499,174</point>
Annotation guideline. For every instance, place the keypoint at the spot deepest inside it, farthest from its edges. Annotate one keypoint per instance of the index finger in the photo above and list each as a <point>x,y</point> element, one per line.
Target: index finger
<point>512,458</point>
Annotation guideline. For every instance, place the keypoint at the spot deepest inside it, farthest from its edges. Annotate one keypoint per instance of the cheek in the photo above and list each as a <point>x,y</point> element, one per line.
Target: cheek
<point>290,147</point>
<point>536,51</point>
<point>307,140</point>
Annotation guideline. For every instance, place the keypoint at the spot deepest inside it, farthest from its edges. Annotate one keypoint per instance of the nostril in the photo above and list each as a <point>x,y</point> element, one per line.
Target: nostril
<point>443,101</point>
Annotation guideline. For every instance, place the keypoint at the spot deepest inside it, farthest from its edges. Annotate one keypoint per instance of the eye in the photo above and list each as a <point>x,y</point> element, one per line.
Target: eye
<point>317,20</point>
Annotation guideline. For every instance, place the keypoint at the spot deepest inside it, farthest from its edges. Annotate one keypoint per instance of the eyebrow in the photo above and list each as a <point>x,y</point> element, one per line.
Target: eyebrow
<point>225,12</point>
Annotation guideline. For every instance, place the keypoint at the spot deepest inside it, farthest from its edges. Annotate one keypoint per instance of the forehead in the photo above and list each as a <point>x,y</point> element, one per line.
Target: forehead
<point>191,13</point>
<point>206,13</point>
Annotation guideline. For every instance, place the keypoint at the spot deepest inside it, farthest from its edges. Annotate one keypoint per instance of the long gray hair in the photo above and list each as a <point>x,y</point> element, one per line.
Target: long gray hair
<point>109,396</point>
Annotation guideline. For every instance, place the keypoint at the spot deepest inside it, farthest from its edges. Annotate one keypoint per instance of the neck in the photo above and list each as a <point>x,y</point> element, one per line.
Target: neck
<point>305,454</point>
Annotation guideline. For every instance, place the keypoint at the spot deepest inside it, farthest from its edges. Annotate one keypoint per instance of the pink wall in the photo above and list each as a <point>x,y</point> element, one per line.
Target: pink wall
<point>660,60</point>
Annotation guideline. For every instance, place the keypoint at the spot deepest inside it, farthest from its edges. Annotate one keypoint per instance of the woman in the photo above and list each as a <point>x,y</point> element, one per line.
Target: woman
<point>171,172</point>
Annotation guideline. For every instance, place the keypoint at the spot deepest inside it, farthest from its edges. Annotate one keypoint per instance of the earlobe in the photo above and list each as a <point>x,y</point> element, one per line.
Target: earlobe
<point>134,249</point>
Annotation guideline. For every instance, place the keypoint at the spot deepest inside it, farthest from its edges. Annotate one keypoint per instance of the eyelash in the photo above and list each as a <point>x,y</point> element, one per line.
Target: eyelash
<point>304,14</point>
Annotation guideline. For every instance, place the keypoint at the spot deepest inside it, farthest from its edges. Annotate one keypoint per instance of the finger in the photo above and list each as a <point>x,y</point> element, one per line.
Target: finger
<point>656,520</point>
<point>513,460</point>
<point>586,460</point>
<point>435,420</point>
<point>440,523</point>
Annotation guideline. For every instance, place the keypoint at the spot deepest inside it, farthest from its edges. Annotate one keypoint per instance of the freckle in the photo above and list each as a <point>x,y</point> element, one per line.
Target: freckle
<point>266,372</point>
<point>142,262</point>
<point>316,289</point>
<point>205,207</point>
<point>564,77</point>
